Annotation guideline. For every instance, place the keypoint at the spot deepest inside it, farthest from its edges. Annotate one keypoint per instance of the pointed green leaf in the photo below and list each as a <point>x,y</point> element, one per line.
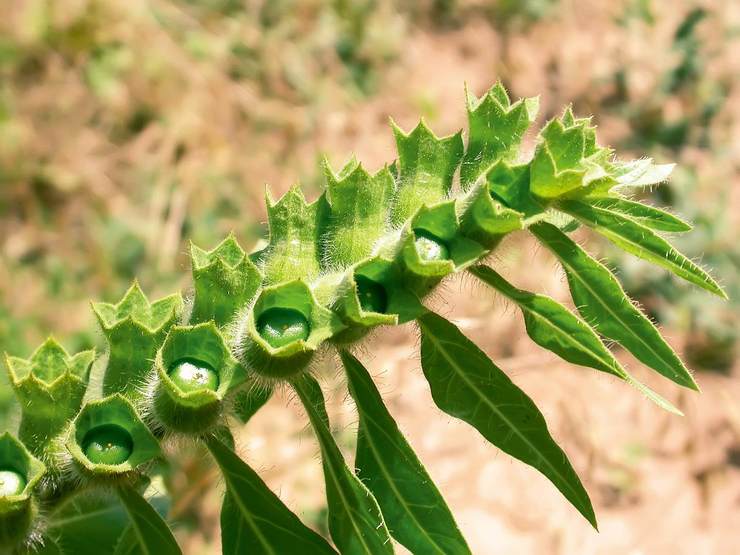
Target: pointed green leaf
<point>355,521</point>
<point>253,518</point>
<point>557,329</point>
<point>426,166</point>
<point>647,215</point>
<point>641,173</point>
<point>358,211</point>
<point>224,279</point>
<point>155,537</point>
<point>641,241</point>
<point>249,401</point>
<point>87,525</point>
<point>466,384</point>
<point>601,300</point>
<point>496,131</point>
<point>415,511</point>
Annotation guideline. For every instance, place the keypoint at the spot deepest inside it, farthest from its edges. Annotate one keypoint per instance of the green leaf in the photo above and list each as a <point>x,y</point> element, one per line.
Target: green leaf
<point>426,166</point>
<point>88,525</point>
<point>253,518</point>
<point>249,401</point>
<point>128,543</point>
<point>155,537</point>
<point>603,303</point>
<point>649,216</point>
<point>557,329</point>
<point>467,385</point>
<point>641,173</point>
<point>355,521</point>
<point>641,241</point>
<point>416,513</point>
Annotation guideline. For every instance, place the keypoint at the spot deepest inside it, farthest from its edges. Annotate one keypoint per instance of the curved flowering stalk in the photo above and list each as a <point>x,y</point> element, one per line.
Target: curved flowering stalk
<point>366,254</point>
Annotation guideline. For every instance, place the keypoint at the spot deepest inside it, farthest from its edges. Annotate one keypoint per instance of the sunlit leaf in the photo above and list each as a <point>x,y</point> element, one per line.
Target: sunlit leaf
<point>466,384</point>
<point>641,241</point>
<point>253,518</point>
<point>416,514</point>
<point>557,329</point>
<point>603,303</point>
<point>155,537</point>
<point>355,521</point>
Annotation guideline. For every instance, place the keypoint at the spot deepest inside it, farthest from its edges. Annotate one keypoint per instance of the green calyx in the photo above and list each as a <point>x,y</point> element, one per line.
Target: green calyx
<point>286,326</point>
<point>108,441</point>
<point>195,372</point>
<point>224,280</point>
<point>107,444</point>
<point>20,472</point>
<point>134,328</point>
<point>282,326</point>
<point>50,387</point>
<point>372,295</point>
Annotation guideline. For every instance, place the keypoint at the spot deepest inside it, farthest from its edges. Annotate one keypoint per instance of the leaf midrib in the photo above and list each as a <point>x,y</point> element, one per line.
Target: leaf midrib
<point>389,477</point>
<point>576,274</point>
<point>461,374</point>
<point>322,432</point>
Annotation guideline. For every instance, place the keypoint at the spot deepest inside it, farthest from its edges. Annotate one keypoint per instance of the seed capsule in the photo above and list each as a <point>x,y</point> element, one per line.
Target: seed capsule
<point>281,326</point>
<point>108,444</point>
<point>11,482</point>
<point>372,295</point>
<point>192,375</point>
<point>430,247</point>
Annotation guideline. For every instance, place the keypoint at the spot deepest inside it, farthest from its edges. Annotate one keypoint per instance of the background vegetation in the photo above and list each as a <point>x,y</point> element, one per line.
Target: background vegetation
<point>129,127</point>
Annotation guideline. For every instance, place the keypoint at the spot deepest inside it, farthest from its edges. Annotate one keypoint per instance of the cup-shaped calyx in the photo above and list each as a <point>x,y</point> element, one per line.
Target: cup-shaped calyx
<point>49,387</point>
<point>134,328</point>
<point>283,330</point>
<point>195,371</point>
<point>224,279</point>
<point>432,246</point>
<point>569,162</point>
<point>485,218</point>
<point>373,294</point>
<point>19,473</point>
<point>108,441</point>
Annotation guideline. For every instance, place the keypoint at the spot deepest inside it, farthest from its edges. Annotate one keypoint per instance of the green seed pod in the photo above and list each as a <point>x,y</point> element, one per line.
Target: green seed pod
<point>108,442</point>
<point>195,371</point>
<point>19,473</point>
<point>283,330</point>
<point>282,326</point>
<point>429,247</point>
<point>134,328</point>
<point>50,387</point>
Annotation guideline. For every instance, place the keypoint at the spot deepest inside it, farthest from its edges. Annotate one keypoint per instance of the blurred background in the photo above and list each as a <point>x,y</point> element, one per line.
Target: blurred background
<point>128,127</point>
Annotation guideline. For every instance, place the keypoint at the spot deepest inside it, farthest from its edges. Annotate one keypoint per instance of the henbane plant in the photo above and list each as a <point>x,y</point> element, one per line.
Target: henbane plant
<point>366,253</point>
